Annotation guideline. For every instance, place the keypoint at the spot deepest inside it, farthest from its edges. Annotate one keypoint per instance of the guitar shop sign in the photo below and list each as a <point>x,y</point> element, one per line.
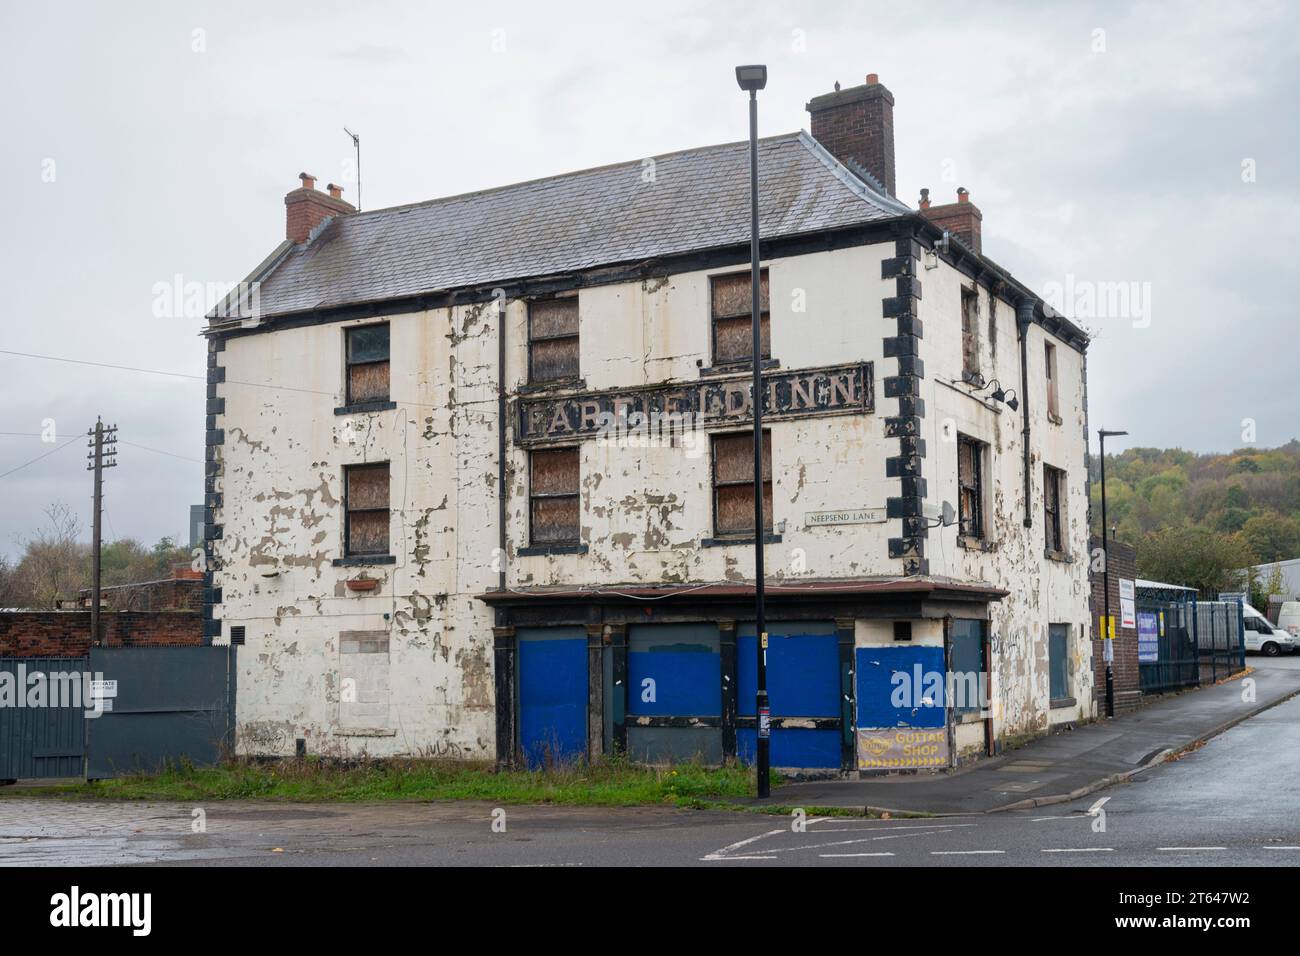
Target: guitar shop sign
<point>841,390</point>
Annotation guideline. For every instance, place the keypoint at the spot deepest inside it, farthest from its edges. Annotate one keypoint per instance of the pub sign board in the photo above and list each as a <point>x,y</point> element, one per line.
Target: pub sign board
<point>710,403</point>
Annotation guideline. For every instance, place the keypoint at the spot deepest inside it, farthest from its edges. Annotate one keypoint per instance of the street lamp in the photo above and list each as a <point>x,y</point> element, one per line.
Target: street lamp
<point>752,79</point>
<point>1107,642</point>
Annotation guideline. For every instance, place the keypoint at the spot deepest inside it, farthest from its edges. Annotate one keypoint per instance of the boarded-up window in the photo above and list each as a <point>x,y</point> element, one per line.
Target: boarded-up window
<point>366,500</point>
<point>732,301</point>
<point>970,343</point>
<point>1053,506</point>
<point>1053,400</point>
<point>733,484</point>
<point>553,497</point>
<point>367,360</point>
<point>1058,662</point>
<point>970,485</point>
<point>553,340</point>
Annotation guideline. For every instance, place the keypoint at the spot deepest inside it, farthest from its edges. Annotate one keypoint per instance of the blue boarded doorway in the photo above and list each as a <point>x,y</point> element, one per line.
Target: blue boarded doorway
<point>553,694</point>
<point>805,680</point>
<point>674,693</point>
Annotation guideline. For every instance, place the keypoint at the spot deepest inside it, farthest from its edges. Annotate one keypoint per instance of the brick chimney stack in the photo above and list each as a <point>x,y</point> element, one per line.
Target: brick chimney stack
<point>856,125</point>
<point>305,208</point>
<point>962,218</point>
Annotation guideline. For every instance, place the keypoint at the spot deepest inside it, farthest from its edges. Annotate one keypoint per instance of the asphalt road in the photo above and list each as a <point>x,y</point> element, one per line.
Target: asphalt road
<point>1230,803</point>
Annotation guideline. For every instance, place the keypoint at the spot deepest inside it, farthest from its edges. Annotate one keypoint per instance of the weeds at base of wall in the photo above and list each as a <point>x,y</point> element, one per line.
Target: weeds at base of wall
<point>607,782</point>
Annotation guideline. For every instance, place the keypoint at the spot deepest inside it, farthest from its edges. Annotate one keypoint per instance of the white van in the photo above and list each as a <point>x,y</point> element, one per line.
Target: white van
<point>1288,619</point>
<point>1264,637</point>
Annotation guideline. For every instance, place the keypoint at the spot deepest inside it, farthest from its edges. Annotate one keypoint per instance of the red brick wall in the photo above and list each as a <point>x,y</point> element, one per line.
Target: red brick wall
<point>962,219</point>
<point>179,593</point>
<point>67,633</point>
<point>1124,669</point>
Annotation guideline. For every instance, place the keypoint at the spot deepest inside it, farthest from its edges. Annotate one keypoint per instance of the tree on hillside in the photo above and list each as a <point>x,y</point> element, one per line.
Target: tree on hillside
<point>1195,558</point>
<point>1273,537</point>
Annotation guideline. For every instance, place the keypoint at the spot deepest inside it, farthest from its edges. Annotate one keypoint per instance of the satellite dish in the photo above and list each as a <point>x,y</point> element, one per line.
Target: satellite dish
<point>949,514</point>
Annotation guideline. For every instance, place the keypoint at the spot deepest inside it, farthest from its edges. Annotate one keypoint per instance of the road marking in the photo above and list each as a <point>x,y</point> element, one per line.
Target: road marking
<point>934,826</point>
<point>1083,849</point>
<point>1071,816</point>
<point>843,855</point>
<point>1096,807</point>
<point>1182,849</point>
<point>1274,846</point>
<point>964,852</point>
<point>883,833</point>
<point>720,854</point>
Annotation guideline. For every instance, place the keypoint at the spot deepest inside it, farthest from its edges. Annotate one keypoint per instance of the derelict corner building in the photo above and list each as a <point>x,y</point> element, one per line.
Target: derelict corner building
<point>480,472</point>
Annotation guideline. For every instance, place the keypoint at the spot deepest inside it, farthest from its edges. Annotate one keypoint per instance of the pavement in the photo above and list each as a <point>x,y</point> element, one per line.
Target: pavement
<point>1227,804</point>
<point>1067,765</point>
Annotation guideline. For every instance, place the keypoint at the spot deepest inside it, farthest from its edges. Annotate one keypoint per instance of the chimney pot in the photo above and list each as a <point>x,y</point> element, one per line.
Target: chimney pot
<point>308,180</point>
<point>925,199</point>
<point>872,79</point>
<point>963,194</point>
<point>336,192</point>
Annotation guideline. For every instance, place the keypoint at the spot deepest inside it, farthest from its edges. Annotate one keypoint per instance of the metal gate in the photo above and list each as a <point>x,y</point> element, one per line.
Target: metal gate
<point>42,717</point>
<point>1188,643</point>
<point>160,705</point>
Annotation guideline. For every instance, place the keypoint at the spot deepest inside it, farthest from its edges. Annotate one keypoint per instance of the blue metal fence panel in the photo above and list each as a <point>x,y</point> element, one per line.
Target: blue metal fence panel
<point>172,704</point>
<point>49,739</point>
<point>553,693</point>
<point>890,676</point>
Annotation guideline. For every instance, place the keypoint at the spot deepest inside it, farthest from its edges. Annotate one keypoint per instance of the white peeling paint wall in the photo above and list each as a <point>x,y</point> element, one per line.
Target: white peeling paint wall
<point>282,518</point>
<point>1042,591</point>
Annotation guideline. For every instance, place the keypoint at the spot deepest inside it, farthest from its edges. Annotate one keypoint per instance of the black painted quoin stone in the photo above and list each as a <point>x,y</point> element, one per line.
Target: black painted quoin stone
<point>904,345</point>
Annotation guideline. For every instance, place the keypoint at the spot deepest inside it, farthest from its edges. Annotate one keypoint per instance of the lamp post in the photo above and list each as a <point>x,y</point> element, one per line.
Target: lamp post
<point>1102,435</point>
<point>752,79</point>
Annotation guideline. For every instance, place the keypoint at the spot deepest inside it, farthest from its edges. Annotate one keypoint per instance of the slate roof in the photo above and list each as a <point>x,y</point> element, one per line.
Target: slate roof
<point>699,200</point>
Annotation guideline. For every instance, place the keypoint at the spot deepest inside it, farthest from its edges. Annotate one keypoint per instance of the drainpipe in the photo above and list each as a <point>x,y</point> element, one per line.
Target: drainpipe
<point>501,435</point>
<point>1025,316</point>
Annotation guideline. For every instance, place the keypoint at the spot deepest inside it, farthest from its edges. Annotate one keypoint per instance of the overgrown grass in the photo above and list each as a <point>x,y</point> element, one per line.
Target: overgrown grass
<point>608,782</point>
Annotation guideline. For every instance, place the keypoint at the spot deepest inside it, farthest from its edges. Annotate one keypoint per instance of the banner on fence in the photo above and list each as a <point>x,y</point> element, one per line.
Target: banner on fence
<point>1148,638</point>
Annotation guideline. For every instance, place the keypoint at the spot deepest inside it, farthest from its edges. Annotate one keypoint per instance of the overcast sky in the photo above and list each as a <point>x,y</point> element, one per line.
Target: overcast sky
<point>1151,144</point>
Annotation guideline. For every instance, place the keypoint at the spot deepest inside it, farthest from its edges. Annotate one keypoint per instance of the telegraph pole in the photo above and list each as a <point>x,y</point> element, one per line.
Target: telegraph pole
<point>103,445</point>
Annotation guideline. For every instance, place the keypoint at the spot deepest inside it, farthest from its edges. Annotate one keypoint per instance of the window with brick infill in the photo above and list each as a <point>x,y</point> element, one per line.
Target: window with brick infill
<point>970,343</point>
